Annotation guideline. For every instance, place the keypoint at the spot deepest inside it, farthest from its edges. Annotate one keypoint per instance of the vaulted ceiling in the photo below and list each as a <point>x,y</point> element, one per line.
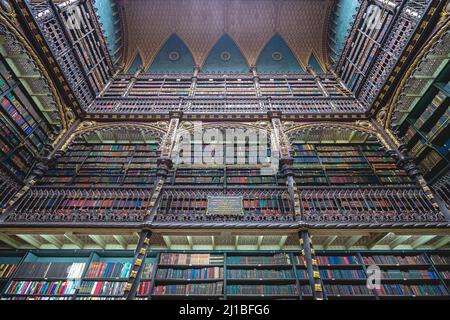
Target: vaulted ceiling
<point>251,24</point>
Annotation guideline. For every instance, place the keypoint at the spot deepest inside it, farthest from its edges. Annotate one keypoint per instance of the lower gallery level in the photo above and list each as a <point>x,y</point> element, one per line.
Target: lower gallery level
<point>227,264</point>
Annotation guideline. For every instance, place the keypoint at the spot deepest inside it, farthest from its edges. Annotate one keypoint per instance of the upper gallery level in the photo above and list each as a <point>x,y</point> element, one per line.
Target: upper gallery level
<point>111,52</point>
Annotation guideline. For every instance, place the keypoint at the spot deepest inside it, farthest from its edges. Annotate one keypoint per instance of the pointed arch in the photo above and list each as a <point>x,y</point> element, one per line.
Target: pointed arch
<point>173,57</point>
<point>362,127</point>
<point>277,57</point>
<point>225,57</point>
<point>314,63</point>
<point>136,63</point>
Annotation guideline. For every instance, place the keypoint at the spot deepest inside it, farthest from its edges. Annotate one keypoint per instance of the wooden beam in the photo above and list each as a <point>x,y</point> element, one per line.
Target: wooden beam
<point>421,241</point>
<point>74,239</point>
<point>329,241</point>
<point>282,241</point>
<point>9,241</point>
<point>236,242</point>
<point>260,239</point>
<point>98,240</point>
<point>121,240</point>
<point>350,242</point>
<point>441,242</point>
<point>167,241</point>
<point>30,240</point>
<point>398,241</point>
<point>53,240</point>
<point>189,240</point>
<point>377,239</point>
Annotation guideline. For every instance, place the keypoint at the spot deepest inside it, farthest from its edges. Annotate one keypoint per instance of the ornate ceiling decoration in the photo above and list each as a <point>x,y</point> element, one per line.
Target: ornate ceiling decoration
<point>303,24</point>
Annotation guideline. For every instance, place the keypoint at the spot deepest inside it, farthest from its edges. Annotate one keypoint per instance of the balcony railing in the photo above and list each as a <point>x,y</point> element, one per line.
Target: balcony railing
<point>260,206</point>
<point>46,204</point>
<point>266,206</point>
<point>367,205</point>
<point>136,106</point>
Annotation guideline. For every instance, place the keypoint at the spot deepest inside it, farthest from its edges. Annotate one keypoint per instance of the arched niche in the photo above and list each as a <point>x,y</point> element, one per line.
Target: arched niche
<point>343,155</point>
<point>107,155</point>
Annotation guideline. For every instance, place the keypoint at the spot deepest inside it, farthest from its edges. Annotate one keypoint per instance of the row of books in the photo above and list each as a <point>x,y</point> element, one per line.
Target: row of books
<point>189,259</point>
<point>148,270</point>
<point>66,270</point>
<point>394,260</point>
<point>409,274</point>
<point>416,290</point>
<point>109,270</point>
<point>7,270</point>
<point>190,289</point>
<point>144,288</point>
<point>42,287</point>
<point>342,274</point>
<point>276,259</point>
<point>197,273</point>
<point>260,274</point>
<point>102,288</point>
<point>332,260</point>
<point>440,259</point>
<point>240,289</point>
<point>347,290</point>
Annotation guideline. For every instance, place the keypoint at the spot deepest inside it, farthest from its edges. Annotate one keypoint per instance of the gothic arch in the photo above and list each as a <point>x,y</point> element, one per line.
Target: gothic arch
<point>159,129</point>
<point>361,127</point>
<point>277,42</point>
<point>185,61</point>
<point>214,60</point>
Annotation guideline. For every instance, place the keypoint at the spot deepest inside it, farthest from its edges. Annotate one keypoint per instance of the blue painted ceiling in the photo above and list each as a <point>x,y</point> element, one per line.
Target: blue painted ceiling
<point>277,57</point>
<point>174,57</point>
<point>225,57</point>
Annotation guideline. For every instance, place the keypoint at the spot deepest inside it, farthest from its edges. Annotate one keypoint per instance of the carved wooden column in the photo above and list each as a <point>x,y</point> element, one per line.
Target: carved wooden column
<point>312,267</point>
<point>164,166</point>
<point>286,162</point>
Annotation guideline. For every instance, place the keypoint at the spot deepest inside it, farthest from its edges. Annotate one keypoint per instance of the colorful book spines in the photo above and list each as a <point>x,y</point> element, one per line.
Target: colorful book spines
<point>7,270</point>
<point>192,274</point>
<point>42,287</point>
<point>276,259</point>
<point>102,288</point>
<point>109,270</point>
<point>337,260</point>
<point>347,290</point>
<point>394,260</point>
<point>144,288</point>
<point>189,259</point>
<point>275,290</point>
<point>342,274</point>
<point>412,290</point>
<point>190,289</point>
<point>260,274</point>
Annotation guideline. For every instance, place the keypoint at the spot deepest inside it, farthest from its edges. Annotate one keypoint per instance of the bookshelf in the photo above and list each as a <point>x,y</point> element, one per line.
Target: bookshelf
<point>425,129</point>
<point>25,126</point>
<point>101,275</point>
<point>104,164</point>
<point>346,164</point>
